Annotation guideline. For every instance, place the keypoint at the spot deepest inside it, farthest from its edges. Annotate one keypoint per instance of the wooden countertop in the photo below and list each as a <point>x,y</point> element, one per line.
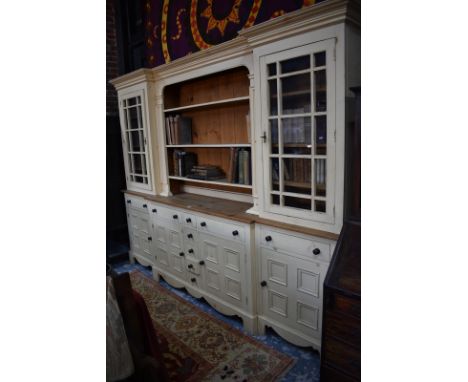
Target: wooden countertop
<point>228,209</point>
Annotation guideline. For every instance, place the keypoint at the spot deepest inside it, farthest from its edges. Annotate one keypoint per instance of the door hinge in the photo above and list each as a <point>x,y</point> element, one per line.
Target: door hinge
<point>333,211</point>
<point>334,49</point>
<point>144,140</point>
<point>334,135</point>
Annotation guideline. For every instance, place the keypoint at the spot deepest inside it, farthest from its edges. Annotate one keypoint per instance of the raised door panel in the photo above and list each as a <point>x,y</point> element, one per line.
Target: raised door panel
<point>209,248</point>
<point>177,264</point>
<point>161,255</point>
<point>233,270</point>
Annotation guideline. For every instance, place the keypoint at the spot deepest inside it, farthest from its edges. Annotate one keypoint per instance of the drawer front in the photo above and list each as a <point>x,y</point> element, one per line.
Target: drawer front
<point>227,230</point>
<point>136,202</point>
<point>170,214</point>
<point>291,243</point>
<point>345,328</point>
<point>343,305</point>
<point>342,356</point>
<point>189,220</point>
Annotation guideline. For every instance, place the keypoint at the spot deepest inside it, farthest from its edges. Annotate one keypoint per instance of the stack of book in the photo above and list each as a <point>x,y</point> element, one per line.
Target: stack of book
<point>183,162</point>
<point>178,130</point>
<point>239,166</point>
<point>206,172</point>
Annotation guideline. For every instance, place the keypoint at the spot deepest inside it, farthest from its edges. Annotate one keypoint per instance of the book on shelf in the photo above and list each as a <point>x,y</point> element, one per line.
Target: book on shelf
<point>206,172</point>
<point>183,162</point>
<point>178,130</point>
<point>240,169</point>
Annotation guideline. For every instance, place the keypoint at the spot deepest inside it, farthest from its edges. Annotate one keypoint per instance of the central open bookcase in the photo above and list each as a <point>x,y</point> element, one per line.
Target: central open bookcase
<point>207,132</point>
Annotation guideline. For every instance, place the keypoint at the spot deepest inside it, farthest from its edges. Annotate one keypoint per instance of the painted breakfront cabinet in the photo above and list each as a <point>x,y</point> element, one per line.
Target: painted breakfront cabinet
<point>234,160</point>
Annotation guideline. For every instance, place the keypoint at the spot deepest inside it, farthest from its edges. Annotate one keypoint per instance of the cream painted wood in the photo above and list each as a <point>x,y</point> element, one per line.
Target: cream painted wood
<point>208,260</point>
<point>139,234</point>
<point>290,283</point>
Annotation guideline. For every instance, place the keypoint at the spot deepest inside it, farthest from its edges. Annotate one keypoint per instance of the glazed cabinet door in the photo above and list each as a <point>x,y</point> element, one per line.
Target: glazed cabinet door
<point>298,127</point>
<point>134,128</point>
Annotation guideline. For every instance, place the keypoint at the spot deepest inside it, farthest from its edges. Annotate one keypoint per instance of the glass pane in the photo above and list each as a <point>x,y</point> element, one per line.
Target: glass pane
<point>145,180</point>
<point>139,179</point>
<point>275,199</point>
<point>273,97</point>
<point>274,135</point>
<point>297,176</point>
<point>296,94</point>
<point>297,136</point>
<point>275,174</point>
<point>138,168</point>
<point>131,101</point>
<point>295,64</point>
<point>133,118</point>
<point>135,140</point>
<point>320,206</point>
<point>304,204</point>
<point>124,103</point>
<point>272,69</point>
<point>320,177</point>
<point>320,90</point>
<point>319,59</point>
<point>321,135</point>
<point>143,164</point>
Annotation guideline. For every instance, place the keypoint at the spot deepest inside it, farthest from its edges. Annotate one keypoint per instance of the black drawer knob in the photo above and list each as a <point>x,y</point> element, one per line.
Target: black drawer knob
<point>316,251</point>
<point>181,254</point>
<point>145,206</point>
<point>190,250</point>
<point>235,233</point>
<point>201,262</point>
<point>268,238</point>
<point>188,220</point>
<point>193,279</point>
<point>129,201</point>
<point>150,238</point>
<point>263,283</point>
<point>203,224</point>
<point>155,210</point>
<point>190,236</point>
<point>190,266</point>
<point>175,217</point>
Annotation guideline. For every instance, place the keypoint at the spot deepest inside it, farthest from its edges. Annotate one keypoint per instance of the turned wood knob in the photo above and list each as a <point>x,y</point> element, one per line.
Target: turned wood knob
<point>201,262</point>
<point>181,254</point>
<point>150,238</point>
<point>155,210</point>
<point>235,233</point>
<point>263,283</point>
<point>175,217</point>
<point>129,201</point>
<point>190,266</point>
<point>268,238</point>
<point>316,251</point>
<point>145,206</point>
<point>188,220</point>
<point>190,236</point>
<point>193,279</point>
<point>190,250</point>
<point>203,224</point>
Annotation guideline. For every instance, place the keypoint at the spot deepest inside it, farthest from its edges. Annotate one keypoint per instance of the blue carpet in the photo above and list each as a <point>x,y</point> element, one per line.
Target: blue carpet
<point>307,366</point>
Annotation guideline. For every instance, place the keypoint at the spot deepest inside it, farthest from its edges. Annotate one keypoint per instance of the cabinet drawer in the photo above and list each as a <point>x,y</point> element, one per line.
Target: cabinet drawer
<point>344,357</point>
<point>345,328</point>
<point>343,305</point>
<point>136,202</point>
<point>290,243</point>
<point>170,214</point>
<point>189,220</point>
<point>228,230</point>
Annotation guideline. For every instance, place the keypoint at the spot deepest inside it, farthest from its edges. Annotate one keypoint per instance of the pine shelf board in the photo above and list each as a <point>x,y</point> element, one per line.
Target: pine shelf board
<point>212,145</point>
<point>199,105</point>
<point>223,183</point>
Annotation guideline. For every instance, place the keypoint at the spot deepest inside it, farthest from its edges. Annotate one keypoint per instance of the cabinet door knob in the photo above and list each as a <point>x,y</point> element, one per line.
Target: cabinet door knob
<point>190,236</point>
<point>316,251</point>
<point>268,238</point>
<point>155,210</point>
<point>201,262</point>
<point>203,224</point>
<point>190,266</point>
<point>129,201</point>
<point>188,220</point>
<point>145,206</point>
<point>193,279</point>
<point>175,217</point>
<point>181,254</point>
<point>235,233</point>
<point>263,283</point>
<point>150,238</point>
<point>190,250</point>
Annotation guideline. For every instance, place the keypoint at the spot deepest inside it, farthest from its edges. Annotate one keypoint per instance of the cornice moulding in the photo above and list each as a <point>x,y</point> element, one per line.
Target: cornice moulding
<point>132,78</point>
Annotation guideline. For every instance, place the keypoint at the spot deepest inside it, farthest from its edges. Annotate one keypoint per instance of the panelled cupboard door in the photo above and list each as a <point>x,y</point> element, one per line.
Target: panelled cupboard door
<point>292,291</point>
<point>298,131</point>
<point>139,232</point>
<point>224,268</point>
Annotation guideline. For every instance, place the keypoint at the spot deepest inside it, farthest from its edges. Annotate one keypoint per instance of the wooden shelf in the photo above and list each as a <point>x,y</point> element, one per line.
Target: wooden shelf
<point>220,182</point>
<point>206,104</point>
<point>212,145</point>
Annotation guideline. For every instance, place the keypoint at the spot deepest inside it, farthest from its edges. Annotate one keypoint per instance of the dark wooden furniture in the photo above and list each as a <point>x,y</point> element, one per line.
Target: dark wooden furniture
<point>341,329</point>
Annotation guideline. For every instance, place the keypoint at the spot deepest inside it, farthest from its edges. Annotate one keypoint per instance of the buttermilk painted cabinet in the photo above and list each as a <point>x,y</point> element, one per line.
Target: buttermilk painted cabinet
<point>234,161</point>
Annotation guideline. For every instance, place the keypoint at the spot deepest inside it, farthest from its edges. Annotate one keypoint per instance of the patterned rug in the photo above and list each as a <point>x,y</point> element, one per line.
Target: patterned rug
<point>203,348</point>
